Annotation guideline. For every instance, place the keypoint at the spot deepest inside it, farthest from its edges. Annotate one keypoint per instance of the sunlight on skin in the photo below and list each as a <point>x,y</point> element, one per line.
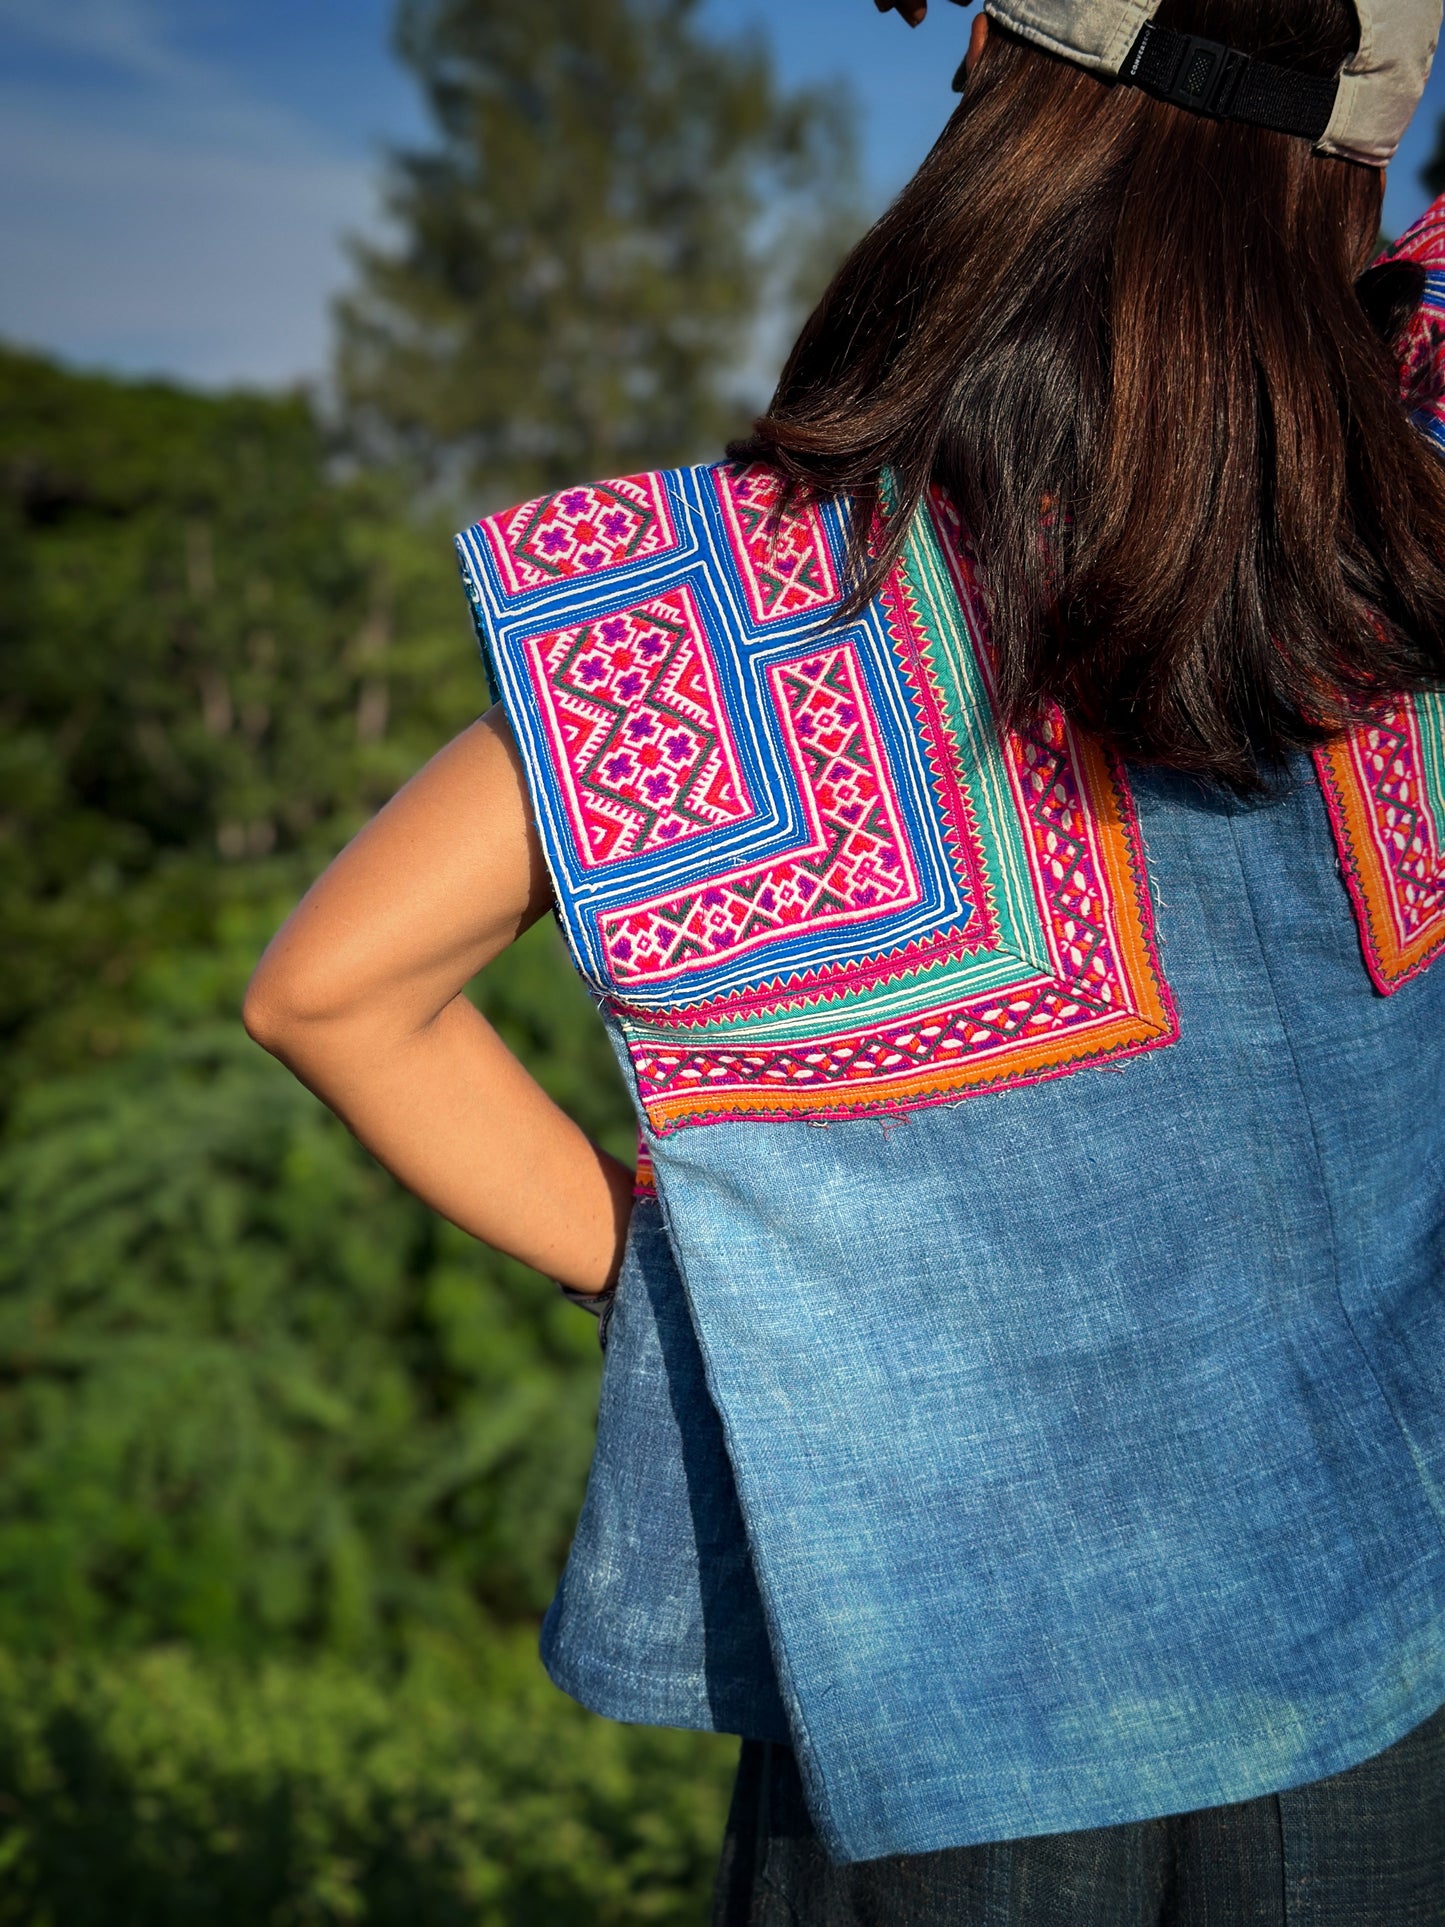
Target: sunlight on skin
<point>361,995</point>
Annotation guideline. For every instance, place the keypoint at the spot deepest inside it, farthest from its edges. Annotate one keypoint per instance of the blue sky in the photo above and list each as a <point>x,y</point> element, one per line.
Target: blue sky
<point>176,176</point>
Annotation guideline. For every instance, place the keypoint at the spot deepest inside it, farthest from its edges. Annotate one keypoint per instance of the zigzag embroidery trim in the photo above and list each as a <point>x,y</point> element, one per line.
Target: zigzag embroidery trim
<point>798,860</point>
<point>1385,791</point>
<point>854,864</point>
<point>581,532</point>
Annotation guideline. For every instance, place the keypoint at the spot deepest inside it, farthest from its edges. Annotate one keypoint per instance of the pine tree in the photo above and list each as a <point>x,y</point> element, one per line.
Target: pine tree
<point>614,206</point>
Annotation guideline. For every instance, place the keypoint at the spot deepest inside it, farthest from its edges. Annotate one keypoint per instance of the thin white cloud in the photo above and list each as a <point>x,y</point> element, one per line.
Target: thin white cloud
<point>211,265</point>
<point>154,216</point>
<point>163,87</point>
<point>129,36</point>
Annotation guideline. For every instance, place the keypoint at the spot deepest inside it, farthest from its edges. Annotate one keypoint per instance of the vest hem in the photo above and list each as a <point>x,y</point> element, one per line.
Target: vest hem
<point>633,1697</point>
<point>847,1843</point>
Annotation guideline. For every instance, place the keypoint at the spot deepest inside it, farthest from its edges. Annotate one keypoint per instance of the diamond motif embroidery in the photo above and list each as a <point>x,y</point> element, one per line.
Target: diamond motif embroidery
<point>1047,774</point>
<point>856,863</point>
<point>786,568</point>
<point>581,531</point>
<point>1388,815</point>
<point>640,735</point>
<point>836,1073</point>
<point>902,907</point>
<point>971,1043</point>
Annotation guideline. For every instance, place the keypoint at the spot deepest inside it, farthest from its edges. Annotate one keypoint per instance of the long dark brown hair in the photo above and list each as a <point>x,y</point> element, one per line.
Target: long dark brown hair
<point>1134,346</point>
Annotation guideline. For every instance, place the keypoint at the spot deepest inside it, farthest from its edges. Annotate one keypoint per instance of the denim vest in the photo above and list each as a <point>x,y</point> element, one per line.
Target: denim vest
<point>1026,1389</point>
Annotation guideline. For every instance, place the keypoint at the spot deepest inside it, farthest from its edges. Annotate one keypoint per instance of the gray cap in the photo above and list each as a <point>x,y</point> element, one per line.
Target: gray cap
<point>1379,88</point>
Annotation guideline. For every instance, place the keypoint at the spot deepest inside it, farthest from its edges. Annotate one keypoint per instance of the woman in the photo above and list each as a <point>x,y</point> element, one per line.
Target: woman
<point>1001,815</point>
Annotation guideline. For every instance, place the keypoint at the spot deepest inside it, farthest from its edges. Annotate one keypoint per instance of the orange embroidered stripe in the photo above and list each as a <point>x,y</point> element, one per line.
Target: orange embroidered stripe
<point>1386,798</point>
<point>795,858</point>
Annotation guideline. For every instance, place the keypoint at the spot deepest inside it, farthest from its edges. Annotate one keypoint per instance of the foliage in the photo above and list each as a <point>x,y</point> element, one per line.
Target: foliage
<point>252,1392</point>
<point>258,1409</point>
<point>613,202</point>
<point>255,1396</point>
<point>159,1790</point>
<point>291,1465</point>
<point>218,662</point>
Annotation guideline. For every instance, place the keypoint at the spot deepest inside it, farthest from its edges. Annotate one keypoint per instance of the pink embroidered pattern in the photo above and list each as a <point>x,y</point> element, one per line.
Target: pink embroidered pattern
<point>786,568</point>
<point>899,602</point>
<point>638,729</point>
<point>1422,350</point>
<point>930,1042</point>
<point>1045,777</point>
<point>856,863</point>
<point>581,531</point>
<point>1391,837</point>
<point>897,905</point>
<point>1384,792</point>
<point>644,1178</point>
<point>1090,990</point>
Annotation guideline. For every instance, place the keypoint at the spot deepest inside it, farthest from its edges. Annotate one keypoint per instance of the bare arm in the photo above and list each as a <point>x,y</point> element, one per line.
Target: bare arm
<point>360,994</point>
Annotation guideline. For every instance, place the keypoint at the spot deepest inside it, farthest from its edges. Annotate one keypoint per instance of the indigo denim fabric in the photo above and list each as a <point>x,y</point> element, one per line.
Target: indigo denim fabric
<point>1365,1848</point>
<point>658,1618</point>
<point>1087,1439</point>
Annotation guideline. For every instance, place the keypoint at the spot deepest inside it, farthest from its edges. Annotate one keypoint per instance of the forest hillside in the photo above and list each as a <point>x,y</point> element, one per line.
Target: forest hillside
<point>290,1466</point>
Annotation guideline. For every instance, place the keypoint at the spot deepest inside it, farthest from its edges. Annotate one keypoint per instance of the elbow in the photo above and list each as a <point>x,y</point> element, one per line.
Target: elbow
<point>304,1015</point>
<point>264,1013</point>
<point>281,1008</point>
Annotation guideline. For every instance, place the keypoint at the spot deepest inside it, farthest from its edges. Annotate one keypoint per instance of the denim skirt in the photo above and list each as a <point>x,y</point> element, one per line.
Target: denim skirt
<point>1364,1848</point>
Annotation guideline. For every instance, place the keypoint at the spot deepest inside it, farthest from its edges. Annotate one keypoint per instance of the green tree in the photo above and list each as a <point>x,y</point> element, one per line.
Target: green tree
<point>615,204</point>
<point>218,661</point>
<point>153,1790</point>
<point>290,1465</point>
<point>253,1396</point>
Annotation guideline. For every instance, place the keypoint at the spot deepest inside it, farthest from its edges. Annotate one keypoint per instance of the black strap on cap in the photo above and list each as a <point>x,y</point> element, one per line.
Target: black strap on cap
<point>1206,78</point>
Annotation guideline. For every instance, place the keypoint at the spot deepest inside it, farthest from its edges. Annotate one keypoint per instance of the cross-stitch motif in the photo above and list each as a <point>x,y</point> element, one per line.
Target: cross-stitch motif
<point>1422,358</point>
<point>1384,784</point>
<point>639,733</point>
<point>1092,994</point>
<point>785,565</point>
<point>581,531</point>
<point>799,861</point>
<point>1048,776</point>
<point>644,1179</point>
<point>900,906</point>
<point>855,860</point>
